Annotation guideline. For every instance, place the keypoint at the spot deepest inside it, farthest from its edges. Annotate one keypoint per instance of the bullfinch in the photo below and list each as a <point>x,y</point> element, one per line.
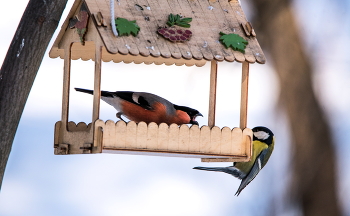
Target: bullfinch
<point>263,144</point>
<point>147,107</point>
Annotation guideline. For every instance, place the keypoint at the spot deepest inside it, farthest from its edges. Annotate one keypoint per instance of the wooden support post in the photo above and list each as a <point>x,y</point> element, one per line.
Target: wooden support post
<point>244,95</point>
<point>97,81</point>
<point>212,93</point>
<point>66,85</point>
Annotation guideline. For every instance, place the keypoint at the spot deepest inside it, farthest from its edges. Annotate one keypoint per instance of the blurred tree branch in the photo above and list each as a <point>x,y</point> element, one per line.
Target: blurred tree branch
<point>314,165</point>
<point>21,65</point>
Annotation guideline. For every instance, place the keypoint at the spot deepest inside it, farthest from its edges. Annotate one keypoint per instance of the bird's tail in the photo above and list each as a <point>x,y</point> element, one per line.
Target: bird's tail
<point>84,90</point>
<point>103,93</point>
<point>229,170</point>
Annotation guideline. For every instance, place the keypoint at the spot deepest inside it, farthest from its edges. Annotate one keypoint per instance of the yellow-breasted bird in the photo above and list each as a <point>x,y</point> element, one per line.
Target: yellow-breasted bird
<point>263,144</point>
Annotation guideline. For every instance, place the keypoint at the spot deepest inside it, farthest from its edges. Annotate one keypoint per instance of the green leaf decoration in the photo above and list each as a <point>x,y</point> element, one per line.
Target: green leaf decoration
<point>125,27</point>
<point>81,35</point>
<point>234,41</point>
<point>176,20</point>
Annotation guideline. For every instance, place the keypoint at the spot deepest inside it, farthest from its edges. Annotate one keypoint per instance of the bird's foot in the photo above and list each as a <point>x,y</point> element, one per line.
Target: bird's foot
<point>119,115</point>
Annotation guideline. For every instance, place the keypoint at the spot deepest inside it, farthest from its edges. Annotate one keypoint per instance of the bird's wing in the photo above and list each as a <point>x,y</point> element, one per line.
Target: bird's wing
<point>229,170</point>
<point>253,172</point>
<point>134,98</point>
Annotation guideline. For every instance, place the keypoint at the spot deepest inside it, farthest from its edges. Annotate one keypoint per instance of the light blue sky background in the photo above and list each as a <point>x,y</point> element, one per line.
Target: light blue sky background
<point>37,182</point>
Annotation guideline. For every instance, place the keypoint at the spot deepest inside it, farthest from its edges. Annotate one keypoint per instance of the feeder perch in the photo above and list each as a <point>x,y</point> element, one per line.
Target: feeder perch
<point>210,143</point>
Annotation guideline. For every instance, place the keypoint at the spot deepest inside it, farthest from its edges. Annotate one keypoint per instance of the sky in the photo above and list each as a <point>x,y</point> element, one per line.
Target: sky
<point>37,182</point>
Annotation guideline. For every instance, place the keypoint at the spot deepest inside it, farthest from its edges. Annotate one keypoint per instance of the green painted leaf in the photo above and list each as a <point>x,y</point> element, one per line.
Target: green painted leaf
<point>125,27</point>
<point>234,41</point>
<point>183,24</point>
<point>176,20</point>
<point>186,20</point>
<point>171,18</point>
<point>81,33</point>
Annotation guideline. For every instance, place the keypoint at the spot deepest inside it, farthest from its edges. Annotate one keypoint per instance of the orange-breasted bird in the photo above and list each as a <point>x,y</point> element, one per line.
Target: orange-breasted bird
<point>147,107</point>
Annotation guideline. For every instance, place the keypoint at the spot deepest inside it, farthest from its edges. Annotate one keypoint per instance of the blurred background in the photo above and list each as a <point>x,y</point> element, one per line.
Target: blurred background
<point>301,94</point>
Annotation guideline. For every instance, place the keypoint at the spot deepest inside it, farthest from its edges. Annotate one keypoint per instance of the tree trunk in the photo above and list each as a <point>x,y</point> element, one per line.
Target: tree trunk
<point>314,165</point>
<point>21,65</point>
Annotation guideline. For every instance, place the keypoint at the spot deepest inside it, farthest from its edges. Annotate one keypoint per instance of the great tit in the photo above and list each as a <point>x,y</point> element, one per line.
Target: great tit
<point>263,144</point>
<point>147,107</point>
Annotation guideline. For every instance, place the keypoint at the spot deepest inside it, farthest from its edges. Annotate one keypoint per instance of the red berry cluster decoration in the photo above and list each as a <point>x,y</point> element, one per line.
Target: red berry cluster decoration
<point>174,34</point>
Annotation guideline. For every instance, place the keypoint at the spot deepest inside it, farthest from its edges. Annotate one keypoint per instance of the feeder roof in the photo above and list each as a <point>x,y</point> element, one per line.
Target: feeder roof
<point>208,20</point>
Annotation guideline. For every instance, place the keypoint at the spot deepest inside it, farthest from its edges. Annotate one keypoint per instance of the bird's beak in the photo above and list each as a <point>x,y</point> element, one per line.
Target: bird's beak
<point>199,114</point>
<point>194,118</point>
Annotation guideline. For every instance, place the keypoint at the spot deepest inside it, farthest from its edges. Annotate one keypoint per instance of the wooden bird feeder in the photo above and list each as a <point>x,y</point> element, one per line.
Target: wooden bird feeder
<point>210,143</point>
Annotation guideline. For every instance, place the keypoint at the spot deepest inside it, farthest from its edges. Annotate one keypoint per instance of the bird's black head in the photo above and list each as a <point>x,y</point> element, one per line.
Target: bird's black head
<point>192,113</point>
<point>263,134</point>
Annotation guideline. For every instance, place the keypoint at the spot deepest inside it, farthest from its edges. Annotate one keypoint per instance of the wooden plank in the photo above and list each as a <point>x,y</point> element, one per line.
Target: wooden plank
<point>232,23</point>
<point>194,138</point>
<point>131,134</point>
<point>109,137</point>
<point>81,126</point>
<point>161,18</point>
<point>204,145</point>
<point>85,52</point>
<point>189,48</point>
<point>120,134</point>
<point>163,137</point>
<point>236,142</point>
<point>226,145</point>
<point>217,25</point>
<point>94,133</point>
<point>257,51</point>
<point>209,33</point>
<point>233,159</point>
<point>248,139</point>
<point>244,95</point>
<point>170,154</point>
<point>97,79</point>
<point>66,85</point>
<point>212,93</point>
<point>57,134</point>
<point>173,137</point>
<point>150,40</point>
<point>184,138</point>
<point>197,36</point>
<point>152,136</point>
<point>141,135</point>
<point>215,140</point>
